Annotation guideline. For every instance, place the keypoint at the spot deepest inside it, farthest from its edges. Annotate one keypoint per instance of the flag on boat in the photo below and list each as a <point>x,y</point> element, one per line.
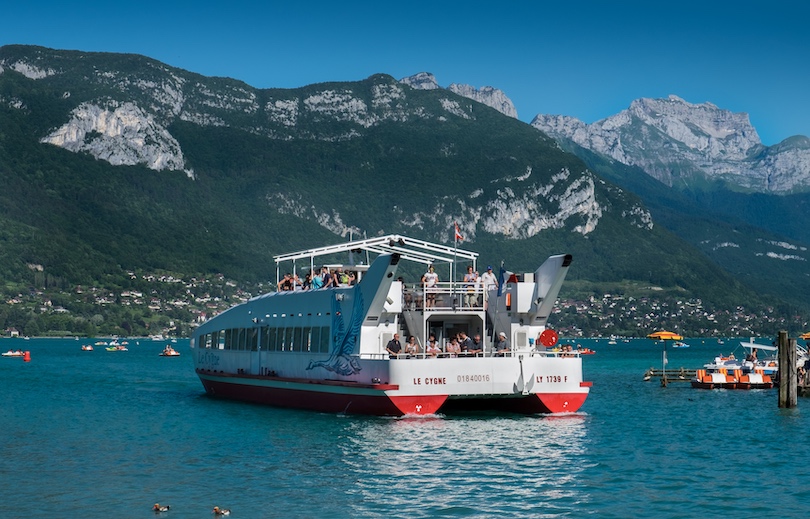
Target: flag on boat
<point>505,276</point>
<point>459,237</point>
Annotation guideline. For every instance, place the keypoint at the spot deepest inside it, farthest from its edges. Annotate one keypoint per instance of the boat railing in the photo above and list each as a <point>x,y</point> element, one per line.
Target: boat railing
<point>448,355</point>
<point>445,296</point>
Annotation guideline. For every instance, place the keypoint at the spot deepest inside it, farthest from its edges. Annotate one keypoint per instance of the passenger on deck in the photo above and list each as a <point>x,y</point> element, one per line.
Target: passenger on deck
<point>465,343</point>
<point>453,348</point>
<point>501,345</point>
<point>411,348</point>
<point>477,347</point>
<point>394,347</point>
<point>342,277</point>
<point>489,280</point>
<point>752,357</point>
<point>298,283</point>
<point>470,285</point>
<point>328,278</point>
<point>286,284</point>
<point>429,281</point>
<point>407,295</point>
<point>317,280</point>
<point>433,348</point>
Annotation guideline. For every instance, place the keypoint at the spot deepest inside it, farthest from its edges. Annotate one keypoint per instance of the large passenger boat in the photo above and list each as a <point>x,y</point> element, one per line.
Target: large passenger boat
<point>325,349</point>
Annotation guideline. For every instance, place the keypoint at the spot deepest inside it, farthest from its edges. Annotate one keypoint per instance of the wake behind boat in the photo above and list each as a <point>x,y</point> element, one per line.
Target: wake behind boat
<point>327,349</point>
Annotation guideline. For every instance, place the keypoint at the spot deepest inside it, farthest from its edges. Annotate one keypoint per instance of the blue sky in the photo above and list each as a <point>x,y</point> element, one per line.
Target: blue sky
<point>587,59</point>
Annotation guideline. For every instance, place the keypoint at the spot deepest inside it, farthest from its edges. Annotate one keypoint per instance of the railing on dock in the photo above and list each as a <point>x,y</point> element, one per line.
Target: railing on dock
<point>670,375</point>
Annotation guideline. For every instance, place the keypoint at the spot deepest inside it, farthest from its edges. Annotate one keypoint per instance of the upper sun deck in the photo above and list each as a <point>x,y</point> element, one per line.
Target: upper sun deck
<point>362,253</point>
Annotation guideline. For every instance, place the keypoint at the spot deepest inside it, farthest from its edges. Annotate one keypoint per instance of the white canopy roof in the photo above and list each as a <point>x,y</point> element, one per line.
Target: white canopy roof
<point>409,249</point>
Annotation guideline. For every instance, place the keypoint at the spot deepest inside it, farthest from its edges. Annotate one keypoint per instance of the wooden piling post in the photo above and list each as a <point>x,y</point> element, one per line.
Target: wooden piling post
<point>788,383</point>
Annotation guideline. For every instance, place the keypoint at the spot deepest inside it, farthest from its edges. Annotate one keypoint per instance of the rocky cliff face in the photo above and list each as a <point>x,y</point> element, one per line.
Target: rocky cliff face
<point>674,141</point>
<point>128,123</point>
<point>487,95</point>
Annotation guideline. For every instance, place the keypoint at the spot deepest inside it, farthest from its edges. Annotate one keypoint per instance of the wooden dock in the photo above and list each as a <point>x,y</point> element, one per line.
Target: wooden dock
<point>670,375</point>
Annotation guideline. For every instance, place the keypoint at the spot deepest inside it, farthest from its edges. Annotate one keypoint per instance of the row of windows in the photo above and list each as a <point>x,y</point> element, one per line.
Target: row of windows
<point>306,338</point>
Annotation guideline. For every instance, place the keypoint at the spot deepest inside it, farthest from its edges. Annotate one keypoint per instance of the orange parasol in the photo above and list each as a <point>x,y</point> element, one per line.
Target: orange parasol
<point>664,335</point>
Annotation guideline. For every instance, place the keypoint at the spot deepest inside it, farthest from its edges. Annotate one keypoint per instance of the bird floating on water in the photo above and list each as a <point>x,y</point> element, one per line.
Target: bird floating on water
<point>221,511</point>
<point>160,508</point>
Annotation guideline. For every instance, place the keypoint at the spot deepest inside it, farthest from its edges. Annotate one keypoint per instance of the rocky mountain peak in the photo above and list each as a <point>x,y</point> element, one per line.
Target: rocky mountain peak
<point>673,140</point>
<point>421,81</point>
<point>490,96</point>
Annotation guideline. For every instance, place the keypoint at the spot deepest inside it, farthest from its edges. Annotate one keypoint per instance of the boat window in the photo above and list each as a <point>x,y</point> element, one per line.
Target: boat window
<point>324,342</point>
<point>253,339</point>
<point>265,339</point>
<point>242,341</point>
<point>298,341</point>
<point>282,340</point>
<point>306,337</point>
<point>231,338</point>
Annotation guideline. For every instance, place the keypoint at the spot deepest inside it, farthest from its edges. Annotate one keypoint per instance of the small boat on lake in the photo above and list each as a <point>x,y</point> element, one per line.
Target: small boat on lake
<point>119,347</point>
<point>679,344</point>
<point>327,349</point>
<point>87,347</point>
<point>13,353</point>
<point>750,372</point>
<point>168,351</point>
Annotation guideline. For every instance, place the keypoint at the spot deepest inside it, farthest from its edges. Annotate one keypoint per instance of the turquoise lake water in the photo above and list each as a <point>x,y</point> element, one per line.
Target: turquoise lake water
<point>108,434</point>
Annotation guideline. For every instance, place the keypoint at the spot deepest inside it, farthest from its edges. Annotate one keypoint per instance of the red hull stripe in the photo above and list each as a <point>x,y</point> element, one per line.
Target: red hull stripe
<point>372,400</point>
<point>340,383</point>
<point>315,399</point>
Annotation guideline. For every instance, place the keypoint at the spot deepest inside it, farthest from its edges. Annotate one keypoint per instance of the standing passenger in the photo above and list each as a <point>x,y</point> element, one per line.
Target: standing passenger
<point>477,346</point>
<point>470,285</point>
<point>328,279</point>
<point>501,345</point>
<point>394,347</point>
<point>433,348</point>
<point>412,348</point>
<point>317,280</point>
<point>429,282</point>
<point>489,280</point>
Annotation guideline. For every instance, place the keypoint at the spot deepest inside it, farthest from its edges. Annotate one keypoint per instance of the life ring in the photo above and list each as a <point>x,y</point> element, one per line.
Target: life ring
<point>548,338</point>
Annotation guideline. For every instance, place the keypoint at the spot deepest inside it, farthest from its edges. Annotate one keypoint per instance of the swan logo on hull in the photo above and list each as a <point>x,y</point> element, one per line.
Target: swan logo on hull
<point>344,339</point>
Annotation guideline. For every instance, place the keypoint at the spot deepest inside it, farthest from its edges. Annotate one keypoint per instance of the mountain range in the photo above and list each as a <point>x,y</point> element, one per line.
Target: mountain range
<point>114,163</point>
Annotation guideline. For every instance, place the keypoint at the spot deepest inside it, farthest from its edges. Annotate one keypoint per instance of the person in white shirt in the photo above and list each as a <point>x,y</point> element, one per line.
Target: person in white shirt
<point>489,280</point>
<point>429,282</point>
